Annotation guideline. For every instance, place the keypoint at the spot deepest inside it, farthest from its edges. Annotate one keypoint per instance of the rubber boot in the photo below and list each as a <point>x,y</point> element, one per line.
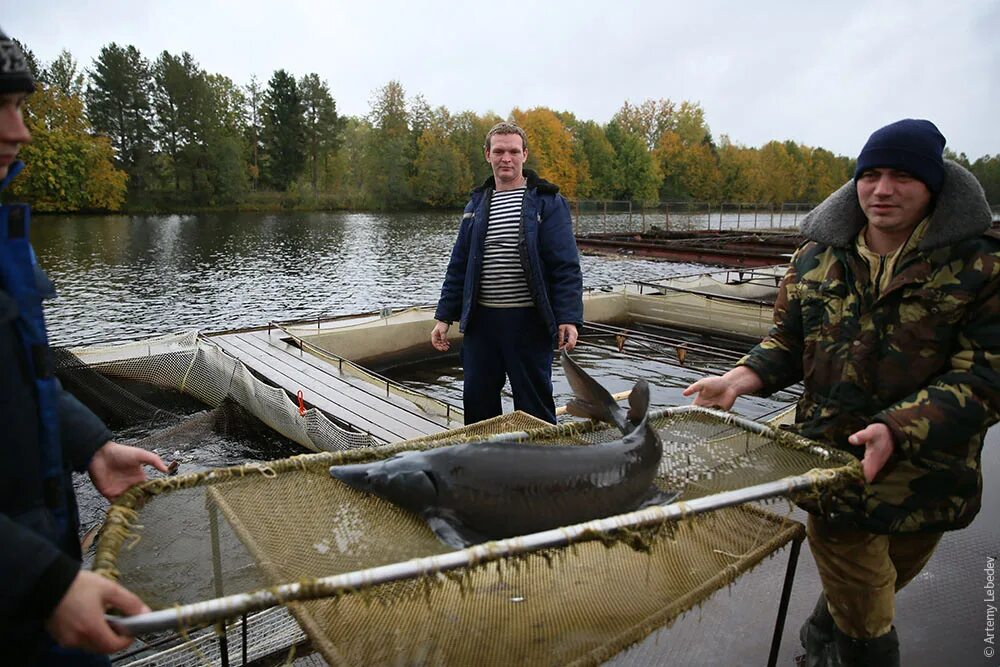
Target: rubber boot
<point>816,636</point>
<point>878,652</point>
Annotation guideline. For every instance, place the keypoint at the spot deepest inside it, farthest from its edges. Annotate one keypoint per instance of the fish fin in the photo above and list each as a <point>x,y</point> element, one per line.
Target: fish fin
<point>450,530</point>
<point>579,407</point>
<point>638,402</point>
<point>658,497</point>
<point>593,400</point>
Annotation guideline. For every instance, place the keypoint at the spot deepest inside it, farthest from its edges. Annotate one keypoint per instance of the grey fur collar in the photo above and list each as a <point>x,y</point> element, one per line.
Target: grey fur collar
<point>961,212</point>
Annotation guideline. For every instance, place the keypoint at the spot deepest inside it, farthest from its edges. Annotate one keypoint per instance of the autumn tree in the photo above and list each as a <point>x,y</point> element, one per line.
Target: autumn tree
<point>741,175</point>
<point>441,173</point>
<point>825,172</point>
<point>468,132</point>
<point>550,148</point>
<point>783,175</point>
<point>68,169</point>
<point>690,170</point>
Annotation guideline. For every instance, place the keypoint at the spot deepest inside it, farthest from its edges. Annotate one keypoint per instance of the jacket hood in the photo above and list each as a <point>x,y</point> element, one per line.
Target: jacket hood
<point>960,212</point>
<point>534,182</point>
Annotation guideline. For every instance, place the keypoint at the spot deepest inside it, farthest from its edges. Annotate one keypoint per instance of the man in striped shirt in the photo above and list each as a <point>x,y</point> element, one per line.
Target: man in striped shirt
<point>513,283</point>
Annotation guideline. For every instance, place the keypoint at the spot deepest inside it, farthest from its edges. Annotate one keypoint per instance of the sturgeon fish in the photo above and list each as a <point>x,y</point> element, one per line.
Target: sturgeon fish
<point>474,492</point>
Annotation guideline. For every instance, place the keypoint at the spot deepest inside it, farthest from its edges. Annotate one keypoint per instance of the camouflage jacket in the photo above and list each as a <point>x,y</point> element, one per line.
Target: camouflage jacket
<point>923,357</point>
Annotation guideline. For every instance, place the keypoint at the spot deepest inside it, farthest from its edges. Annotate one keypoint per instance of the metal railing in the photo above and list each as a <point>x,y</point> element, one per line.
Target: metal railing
<point>608,216</point>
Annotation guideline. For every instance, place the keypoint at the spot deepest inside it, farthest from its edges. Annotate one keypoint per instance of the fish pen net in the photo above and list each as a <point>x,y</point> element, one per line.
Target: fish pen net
<point>112,379</point>
<point>268,527</point>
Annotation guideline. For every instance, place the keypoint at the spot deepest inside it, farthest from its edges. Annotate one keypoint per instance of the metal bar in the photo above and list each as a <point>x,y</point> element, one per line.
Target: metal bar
<point>245,640</point>
<point>213,522</point>
<point>786,594</point>
<point>234,605</point>
<point>692,346</point>
<point>710,295</point>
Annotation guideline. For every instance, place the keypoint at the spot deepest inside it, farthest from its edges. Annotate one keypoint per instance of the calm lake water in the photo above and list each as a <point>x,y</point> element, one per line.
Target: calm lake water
<point>127,277</point>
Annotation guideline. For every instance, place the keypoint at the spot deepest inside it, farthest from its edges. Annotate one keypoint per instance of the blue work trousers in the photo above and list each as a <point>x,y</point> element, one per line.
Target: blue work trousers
<point>510,343</point>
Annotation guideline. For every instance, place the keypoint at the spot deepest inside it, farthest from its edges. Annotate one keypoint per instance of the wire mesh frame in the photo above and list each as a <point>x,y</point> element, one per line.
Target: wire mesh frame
<point>433,566</point>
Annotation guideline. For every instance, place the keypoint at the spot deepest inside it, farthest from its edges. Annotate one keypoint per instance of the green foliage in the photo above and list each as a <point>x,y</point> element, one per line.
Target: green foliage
<point>64,75</point>
<point>387,152</point>
<point>181,137</point>
<point>987,170</point>
<point>68,169</point>
<point>636,174</point>
<point>441,173</point>
<point>321,125</point>
<point>118,106</point>
<point>599,157</point>
<point>467,132</point>
<point>283,134</point>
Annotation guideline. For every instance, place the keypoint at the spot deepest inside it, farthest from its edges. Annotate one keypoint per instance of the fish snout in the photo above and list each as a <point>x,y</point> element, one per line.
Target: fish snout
<point>355,475</point>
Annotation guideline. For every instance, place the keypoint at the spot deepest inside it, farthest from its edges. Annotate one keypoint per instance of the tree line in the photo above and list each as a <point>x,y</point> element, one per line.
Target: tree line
<point>164,134</point>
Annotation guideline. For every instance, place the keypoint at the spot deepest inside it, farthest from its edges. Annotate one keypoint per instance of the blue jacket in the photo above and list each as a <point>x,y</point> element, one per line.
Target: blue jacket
<point>39,545</point>
<point>548,256</point>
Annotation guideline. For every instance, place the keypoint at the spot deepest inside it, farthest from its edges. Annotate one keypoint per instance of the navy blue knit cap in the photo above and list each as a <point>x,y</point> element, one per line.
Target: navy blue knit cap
<point>910,145</point>
<point>15,76</point>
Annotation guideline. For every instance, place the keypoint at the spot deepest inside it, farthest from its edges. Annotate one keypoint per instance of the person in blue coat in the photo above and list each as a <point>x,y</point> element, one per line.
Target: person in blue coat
<point>51,611</point>
<point>513,283</point>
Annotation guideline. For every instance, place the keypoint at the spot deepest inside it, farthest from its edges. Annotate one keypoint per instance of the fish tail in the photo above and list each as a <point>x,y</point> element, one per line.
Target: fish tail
<point>638,402</point>
<point>591,400</point>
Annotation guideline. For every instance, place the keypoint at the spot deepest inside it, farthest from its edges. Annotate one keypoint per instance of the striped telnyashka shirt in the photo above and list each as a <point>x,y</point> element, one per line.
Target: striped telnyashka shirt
<point>503,284</point>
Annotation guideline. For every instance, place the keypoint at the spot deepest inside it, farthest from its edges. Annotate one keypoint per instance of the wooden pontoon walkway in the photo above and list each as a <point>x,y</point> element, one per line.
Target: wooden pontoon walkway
<point>348,400</point>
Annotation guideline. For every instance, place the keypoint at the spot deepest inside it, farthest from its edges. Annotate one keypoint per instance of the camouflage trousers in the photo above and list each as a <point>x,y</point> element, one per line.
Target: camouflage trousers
<point>862,571</point>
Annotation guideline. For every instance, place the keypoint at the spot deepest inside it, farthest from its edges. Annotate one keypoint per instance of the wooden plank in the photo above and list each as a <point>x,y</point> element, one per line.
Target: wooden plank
<point>357,388</point>
<point>329,367</point>
<point>325,397</point>
<point>320,394</point>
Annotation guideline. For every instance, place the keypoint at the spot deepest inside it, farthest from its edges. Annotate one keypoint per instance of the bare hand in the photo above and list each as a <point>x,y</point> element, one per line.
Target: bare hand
<point>879,445</point>
<point>78,619</point>
<point>567,337</point>
<point>439,337</point>
<point>115,468</point>
<point>722,392</point>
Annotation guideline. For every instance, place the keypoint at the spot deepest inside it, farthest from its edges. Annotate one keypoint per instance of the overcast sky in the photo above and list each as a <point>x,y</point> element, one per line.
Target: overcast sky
<point>820,73</point>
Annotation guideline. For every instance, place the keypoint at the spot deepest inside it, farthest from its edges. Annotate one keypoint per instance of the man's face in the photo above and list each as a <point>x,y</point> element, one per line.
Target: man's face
<point>507,155</point>
<point>13,131</point>
<point>893,200</point>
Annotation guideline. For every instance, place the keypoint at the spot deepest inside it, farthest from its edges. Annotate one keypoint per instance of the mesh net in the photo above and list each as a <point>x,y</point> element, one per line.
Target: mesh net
<point>184,539</point>
<point>194,367</point>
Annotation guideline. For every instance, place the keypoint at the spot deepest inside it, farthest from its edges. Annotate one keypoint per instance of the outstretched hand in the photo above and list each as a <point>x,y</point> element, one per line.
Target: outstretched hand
<point>722,392</point>
<point>879,445</point>
<point>78,619</point>
<point>115,468</point>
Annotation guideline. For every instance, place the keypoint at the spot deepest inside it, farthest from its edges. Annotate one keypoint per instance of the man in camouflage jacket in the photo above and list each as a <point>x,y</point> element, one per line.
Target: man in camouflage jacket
<point>890,316</point>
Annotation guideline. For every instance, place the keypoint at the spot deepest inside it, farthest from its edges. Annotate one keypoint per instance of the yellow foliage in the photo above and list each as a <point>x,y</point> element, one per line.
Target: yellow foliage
<point>550,148</point>
<point>67,168</point>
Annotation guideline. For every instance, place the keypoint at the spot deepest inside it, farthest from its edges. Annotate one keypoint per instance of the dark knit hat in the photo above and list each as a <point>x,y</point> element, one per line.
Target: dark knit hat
<point>910,145</point>
<point>15,76</point>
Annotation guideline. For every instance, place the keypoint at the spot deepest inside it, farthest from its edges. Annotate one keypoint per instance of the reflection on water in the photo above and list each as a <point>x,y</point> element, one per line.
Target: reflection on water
<point>122,277</point>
